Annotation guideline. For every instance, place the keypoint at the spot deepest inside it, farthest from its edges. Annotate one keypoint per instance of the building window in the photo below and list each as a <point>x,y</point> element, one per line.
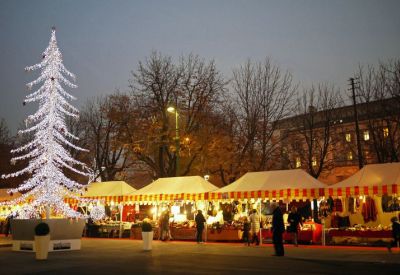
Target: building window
<point>385,132</point>
<point>298,162</point>
<point>314,161</point>
<point>350,155</point>
<point>348,137</point>
<point>366,135</point>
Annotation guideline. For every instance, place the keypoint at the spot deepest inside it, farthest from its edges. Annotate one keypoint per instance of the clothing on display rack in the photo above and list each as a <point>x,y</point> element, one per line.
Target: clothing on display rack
<point>369,211</point>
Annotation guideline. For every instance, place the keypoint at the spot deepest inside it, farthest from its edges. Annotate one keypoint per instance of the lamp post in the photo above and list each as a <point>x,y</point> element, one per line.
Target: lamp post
<point>177,141</point>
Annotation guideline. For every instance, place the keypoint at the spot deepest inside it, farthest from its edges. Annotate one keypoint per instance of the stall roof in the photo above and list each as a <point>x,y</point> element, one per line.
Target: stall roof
<point>4,196</point>
<point>177,185</point>
<point>273,180</point>
<point>108,188</point>
<point>373,175</point>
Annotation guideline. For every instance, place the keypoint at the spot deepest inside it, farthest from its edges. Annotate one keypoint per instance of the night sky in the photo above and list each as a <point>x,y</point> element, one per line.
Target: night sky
<point>102,41</point>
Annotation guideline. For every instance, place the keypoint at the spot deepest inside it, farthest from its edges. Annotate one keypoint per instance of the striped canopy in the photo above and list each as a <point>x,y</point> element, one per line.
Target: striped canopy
<point>175,188</point>
<point>278,184</point>
<point>372,179</point>
<point>108,191</point>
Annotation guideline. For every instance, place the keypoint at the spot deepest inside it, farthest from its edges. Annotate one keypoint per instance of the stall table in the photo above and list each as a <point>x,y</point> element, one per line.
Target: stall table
<point>312,235</point>
<point>338,236</point>
<point>136,233</point>
<point>225,234</point>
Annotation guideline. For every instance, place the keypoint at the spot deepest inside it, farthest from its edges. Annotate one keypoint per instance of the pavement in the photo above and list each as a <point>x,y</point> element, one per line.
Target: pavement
<point>5,241</point>
<point>122,256</point>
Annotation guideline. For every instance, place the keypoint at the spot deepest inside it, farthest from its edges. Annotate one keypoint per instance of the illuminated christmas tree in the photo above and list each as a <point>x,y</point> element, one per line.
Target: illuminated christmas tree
<point>47,186</point>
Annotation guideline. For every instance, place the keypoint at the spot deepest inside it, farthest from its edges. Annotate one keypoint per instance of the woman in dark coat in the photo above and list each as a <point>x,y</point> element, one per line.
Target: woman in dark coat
<point>294,220</point>
<point>278,227</point>
<point>246,231</point>
<point>200,220</point>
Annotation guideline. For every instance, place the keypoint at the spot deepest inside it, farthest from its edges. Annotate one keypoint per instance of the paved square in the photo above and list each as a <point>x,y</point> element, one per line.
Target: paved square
<point>110,256</point>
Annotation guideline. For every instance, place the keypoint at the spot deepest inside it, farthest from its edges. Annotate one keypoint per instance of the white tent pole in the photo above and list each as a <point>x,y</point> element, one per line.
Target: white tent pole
<point>206,210</point>
<point>260,220</point>
<point>121,207</point>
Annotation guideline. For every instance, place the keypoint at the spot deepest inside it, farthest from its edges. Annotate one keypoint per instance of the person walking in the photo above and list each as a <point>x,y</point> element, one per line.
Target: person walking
<point>200,220</point>
<point>395,233</point>
<point>8,225</point>
<point>246,231</point>
<point>255,227</point>
<point>165,233</point>
<point>278,227</point>
<point>294,220</point>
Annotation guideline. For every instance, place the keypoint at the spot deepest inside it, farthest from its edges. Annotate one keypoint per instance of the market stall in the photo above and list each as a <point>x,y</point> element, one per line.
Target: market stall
<point>178,197</point>
<point>362,205</point>
<point>112,195</point>
<point>6,210</point>
<point>256,190</point>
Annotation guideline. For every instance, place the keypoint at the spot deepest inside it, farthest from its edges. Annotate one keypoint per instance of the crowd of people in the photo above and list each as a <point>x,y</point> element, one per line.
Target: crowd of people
<point>251,228</point>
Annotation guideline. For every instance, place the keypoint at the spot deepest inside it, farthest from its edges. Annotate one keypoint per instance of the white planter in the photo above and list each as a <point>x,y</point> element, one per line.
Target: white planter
<point>147,240</point>
<point>42,246</point>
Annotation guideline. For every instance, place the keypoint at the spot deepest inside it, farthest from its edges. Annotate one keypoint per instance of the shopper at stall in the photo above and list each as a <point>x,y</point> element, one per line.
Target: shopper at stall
<point>278,228</point>
<point>246,231</point>
<point>255,227</point>
<point>200,220</point>
<point>294,220</point>
<point>165,231</point>
<point>395,233</point>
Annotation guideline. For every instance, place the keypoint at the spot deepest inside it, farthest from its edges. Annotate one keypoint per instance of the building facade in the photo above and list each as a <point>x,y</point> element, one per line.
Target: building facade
<point>324,142</point>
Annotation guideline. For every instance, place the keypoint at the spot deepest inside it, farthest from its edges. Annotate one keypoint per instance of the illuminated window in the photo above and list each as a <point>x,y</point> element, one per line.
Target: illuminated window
<point>350,156</point>
<point>314,161</point>
<point>348,137</point>
<point>298,162</point>
<point>366,135</point>
<point>385,132</point>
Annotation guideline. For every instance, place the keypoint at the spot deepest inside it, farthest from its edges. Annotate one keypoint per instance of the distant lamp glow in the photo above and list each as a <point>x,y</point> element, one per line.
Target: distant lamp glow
<point>175,209</point>
<point>171,109</point>
<point>207,177</point>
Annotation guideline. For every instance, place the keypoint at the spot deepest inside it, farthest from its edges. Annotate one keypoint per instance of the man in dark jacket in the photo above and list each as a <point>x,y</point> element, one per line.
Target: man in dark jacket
<point>294,220</point>
<point>200,220</point>
<point>278,228</point>
<point>395,233</point>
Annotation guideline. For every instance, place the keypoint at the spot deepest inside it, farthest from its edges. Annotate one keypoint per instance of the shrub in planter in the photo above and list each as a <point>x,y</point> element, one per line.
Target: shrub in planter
<point>147,227</point>
<point>42,240</point>
<point>42,229</point>
<point>147,234</point>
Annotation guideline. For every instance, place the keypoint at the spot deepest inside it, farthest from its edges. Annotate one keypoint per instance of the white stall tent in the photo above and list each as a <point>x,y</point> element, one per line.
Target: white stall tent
<point>175,188</point>
<point>277,184</point>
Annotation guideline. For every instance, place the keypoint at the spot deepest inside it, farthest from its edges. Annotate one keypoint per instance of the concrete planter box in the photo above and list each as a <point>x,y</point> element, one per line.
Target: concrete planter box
<point>147,240</point>
<point>65,234</point>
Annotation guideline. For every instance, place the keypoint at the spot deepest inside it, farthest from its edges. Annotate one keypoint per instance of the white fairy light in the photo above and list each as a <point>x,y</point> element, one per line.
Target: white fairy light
<point>97,212</point>
<point>48,186</point>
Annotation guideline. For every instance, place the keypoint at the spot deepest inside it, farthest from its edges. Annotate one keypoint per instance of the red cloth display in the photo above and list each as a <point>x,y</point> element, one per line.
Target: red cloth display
<point>369,211</point>
<point>361,233</point>
<point>337,205</point>
<point>128,213</point>
<point>312,236</point>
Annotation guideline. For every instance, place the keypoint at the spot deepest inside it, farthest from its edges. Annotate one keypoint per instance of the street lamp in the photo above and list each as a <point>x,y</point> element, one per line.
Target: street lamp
<point>177,141</point>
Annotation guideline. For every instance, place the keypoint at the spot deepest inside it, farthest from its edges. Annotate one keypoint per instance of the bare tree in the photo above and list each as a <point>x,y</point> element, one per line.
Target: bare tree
<point>193,87</point>
<point>104,121</point>
<point>5,137</point>
<point>313,141</point>
<point>262,96</point>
